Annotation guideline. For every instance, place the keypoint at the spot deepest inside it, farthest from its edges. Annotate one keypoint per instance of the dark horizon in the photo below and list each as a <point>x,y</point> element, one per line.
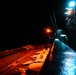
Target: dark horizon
<point>24,22</point>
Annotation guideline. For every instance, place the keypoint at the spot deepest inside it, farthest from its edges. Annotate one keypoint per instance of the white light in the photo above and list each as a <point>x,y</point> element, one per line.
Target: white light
<point>66,13</point>
<point>62,35</point>
<point>69,8</point>
<point>56,39</point>
<point>72,4</point>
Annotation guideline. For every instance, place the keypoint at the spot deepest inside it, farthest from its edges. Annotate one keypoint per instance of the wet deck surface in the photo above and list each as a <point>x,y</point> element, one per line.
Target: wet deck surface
<point>63,60</point>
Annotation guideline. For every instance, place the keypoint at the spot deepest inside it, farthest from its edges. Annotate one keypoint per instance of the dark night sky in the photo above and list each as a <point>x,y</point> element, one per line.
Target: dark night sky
<point>24,22</point>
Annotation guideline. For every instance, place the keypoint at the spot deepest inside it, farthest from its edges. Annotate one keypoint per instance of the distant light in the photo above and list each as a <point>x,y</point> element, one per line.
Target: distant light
<point>72,4</point>
<point>68,8</point>
<point>69,12</point>
<point>66,13</point>
<point>62,35</point>
<point>59,30</point>
<point>48,30</point>
<point>56,39</point>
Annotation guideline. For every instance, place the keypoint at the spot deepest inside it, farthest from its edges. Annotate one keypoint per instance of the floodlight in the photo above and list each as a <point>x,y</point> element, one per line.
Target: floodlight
<point>72,4</point>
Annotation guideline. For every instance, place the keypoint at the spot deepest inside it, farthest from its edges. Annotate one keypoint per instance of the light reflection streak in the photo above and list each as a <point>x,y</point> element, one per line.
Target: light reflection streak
<point>69,53</point>
<point>69,64</point>
<point>66,58</point>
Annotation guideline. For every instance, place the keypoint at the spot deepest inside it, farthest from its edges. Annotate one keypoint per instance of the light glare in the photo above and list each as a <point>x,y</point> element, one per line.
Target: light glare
<point>56,39</point>
<point>72,4</point>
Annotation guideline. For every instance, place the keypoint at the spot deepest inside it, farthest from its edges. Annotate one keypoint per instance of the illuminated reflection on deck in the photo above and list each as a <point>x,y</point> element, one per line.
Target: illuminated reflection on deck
<point>69,64</point>
<point>64,60</point>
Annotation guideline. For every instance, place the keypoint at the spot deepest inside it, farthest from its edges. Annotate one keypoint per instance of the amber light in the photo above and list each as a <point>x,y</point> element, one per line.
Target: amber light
<point>48,30</point>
